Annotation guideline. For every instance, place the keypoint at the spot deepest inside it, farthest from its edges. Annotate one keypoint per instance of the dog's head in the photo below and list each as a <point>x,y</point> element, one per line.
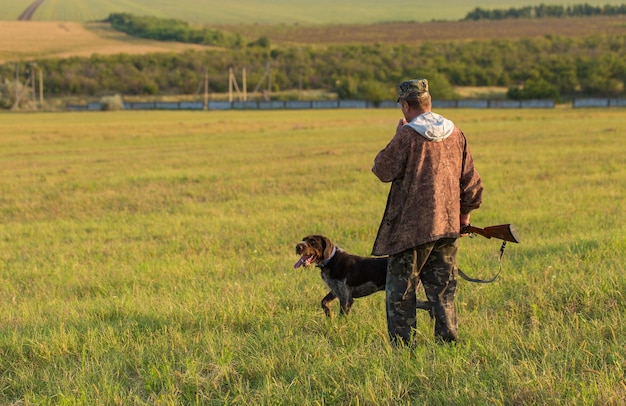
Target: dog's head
<point>313,249</point>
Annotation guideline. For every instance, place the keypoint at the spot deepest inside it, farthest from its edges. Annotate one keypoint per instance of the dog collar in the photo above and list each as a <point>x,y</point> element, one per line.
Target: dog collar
<point>326,261</point>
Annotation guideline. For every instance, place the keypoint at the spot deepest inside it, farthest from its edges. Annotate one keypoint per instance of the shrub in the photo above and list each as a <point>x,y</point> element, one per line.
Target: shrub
<point>376,92</point>
<point>534,89</point>
<point>112,103</point>
<point>167,29</point>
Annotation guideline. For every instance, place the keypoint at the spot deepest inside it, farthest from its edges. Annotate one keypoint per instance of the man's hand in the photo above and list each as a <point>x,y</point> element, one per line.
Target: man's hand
<point>400,124</point>
<point>464,220</point>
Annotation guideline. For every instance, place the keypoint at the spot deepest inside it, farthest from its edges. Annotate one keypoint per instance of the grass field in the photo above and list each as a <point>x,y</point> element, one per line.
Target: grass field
<point>264,12</point>
<point>147,258</point>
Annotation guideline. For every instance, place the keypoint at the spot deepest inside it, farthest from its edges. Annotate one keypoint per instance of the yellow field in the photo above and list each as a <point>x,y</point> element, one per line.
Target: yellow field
<point>26,40</point>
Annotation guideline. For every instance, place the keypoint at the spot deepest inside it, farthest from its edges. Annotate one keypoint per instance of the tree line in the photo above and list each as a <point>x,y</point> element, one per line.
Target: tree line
<point>564,66</point>
<point>545,11</point>
<point>171,29</point>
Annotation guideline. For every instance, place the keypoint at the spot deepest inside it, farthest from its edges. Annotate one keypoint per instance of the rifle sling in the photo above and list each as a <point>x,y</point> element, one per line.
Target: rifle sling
<point>475,280</point>
<point>467,278</point>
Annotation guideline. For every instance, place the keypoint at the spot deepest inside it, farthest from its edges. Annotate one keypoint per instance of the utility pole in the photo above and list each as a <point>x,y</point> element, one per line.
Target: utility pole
<point>17,92</point>
<point>22,90</point>
<point>206,89</point>
<point>269,78</point>
<point>232,82</point>
<point>17,83</point>
<point>32,82</point>
<point>40,88</point>
<point>16,104</point>
<point>245,84</point>
<point>230,85</point>
<point>266,75</point>
<point>36,73</point>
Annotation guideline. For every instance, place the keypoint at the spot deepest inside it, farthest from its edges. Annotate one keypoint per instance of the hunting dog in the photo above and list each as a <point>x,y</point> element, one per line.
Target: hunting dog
<point>348,276</point>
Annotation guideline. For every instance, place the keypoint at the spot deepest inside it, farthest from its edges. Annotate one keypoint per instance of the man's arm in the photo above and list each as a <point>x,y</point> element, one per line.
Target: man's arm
<point>389,163</point>
<point>471,187</point>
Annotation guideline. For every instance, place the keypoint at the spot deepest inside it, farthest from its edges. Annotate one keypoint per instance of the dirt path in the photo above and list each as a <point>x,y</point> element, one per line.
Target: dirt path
<point>30,10</point>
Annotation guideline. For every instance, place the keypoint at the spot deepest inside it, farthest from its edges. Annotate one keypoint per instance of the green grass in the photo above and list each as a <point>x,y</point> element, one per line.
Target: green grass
<point>262,12</point>
<point>147,258</point>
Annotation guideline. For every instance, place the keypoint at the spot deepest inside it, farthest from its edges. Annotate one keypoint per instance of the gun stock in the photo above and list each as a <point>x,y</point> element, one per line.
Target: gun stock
<point>504,232</point>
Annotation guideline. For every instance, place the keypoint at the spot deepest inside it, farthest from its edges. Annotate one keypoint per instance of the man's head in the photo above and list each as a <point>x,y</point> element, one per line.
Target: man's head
<point>415,93</point>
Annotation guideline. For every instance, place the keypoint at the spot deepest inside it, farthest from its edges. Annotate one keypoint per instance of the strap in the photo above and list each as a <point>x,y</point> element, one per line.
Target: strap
<point>467,278</point>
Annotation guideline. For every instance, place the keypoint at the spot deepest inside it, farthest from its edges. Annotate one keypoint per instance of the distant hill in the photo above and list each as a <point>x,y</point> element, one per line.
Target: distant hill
<point>288,12</point>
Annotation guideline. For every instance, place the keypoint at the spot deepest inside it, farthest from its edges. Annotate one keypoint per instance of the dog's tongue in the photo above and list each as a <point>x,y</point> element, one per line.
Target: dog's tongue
<point>300,262</point>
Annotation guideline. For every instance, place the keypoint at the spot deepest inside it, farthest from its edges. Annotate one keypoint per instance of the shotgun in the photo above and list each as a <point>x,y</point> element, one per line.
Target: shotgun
<point>504,232</point>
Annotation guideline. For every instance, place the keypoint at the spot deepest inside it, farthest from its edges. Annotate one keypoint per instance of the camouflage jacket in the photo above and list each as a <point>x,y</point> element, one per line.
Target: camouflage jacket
<point>432,183</point>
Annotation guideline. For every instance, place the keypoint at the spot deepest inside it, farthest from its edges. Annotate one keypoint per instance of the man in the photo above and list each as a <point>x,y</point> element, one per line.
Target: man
<point>434,188</point>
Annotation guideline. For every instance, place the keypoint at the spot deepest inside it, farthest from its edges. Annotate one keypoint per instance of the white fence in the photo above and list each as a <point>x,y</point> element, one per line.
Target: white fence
<point>494,104</point>
<point>590,102</point>
<point>352,104</point>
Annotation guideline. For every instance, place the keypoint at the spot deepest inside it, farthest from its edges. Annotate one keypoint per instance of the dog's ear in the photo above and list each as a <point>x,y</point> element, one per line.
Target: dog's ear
<point>328,247</point>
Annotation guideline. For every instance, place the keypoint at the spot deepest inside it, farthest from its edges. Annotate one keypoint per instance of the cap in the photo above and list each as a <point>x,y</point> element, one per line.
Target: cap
<point>412,89</point>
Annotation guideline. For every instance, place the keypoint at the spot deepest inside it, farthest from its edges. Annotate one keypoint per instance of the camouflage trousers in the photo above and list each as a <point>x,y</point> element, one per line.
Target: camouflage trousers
<point>434,266</point>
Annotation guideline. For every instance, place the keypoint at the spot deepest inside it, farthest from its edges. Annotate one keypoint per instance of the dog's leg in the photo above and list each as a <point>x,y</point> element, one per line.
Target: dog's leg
<point>424,305</point>
<point>346,305</point>
<point>326,303</point>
